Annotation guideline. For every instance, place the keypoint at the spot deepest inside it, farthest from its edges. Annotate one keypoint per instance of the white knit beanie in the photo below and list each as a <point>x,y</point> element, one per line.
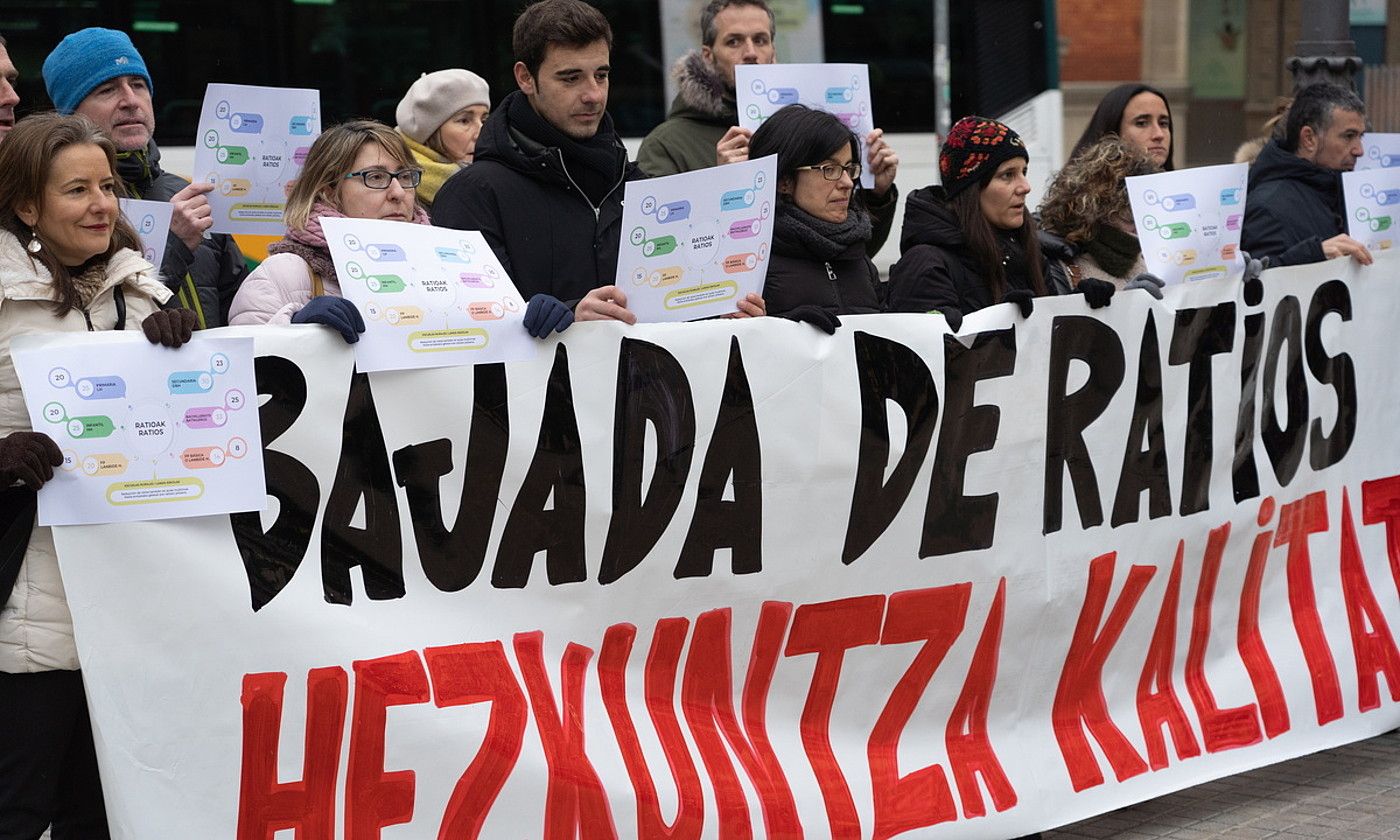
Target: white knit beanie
<point>435,97</point>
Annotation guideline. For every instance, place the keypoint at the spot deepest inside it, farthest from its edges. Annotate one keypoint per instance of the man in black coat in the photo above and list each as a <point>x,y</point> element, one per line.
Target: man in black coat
<point>99,74</point>
<point>1294,213</point>
<point>545,188</point>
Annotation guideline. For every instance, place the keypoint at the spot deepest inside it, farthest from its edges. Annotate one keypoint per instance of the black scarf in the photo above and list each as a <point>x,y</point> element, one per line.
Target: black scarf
<point>1114,250</point>
<point>819,238</point>
<point>595,164</point>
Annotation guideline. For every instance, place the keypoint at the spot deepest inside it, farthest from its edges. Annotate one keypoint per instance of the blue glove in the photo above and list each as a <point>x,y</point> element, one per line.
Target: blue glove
<point>546,314</point>
<point>336,313</point>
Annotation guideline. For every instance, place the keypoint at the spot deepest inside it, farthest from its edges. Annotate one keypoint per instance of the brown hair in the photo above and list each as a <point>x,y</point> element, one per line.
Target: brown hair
<point>26,158</point>
<point>1090,190</point>
<point>330,159</point>
<point>981,242</point>
<point>568,22</point>
<point>708,32</point>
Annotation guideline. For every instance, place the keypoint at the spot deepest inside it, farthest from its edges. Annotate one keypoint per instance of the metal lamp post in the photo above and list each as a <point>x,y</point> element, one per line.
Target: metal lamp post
<point>1325,51</point>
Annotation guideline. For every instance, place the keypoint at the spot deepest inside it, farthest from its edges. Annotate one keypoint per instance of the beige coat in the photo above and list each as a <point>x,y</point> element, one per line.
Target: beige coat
<point>36,631</point>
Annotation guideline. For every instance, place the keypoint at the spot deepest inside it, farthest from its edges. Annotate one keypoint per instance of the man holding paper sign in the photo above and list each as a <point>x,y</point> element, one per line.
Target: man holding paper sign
<point>1294,214</point>
<point>99,74</point>
<point>703,129</point>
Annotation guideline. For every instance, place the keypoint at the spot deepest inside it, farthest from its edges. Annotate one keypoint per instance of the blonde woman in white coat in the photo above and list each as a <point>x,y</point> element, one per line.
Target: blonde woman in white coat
<point>68,263</point>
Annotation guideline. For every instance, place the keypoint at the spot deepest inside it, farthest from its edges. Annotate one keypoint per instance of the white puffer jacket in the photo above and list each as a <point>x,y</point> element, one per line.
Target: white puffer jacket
<point>36,631</point>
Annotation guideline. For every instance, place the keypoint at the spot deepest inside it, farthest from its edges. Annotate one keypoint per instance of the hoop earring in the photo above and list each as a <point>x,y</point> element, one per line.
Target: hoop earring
<point>34,245</point>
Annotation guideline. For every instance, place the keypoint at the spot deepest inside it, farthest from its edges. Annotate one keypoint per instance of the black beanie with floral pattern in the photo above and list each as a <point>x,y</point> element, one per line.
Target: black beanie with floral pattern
<point>975,147</point>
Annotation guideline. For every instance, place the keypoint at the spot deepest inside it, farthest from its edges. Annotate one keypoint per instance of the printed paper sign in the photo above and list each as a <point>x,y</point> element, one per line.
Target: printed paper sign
<point>146,432</point>
<point>152,222</point>
<point>1382,151</point>
<point>1373,206</point>
<point>697,242</point>
<point>252,144</point>
<point>431,297</point>
<point>842,90</point>
<point>1189,221</point>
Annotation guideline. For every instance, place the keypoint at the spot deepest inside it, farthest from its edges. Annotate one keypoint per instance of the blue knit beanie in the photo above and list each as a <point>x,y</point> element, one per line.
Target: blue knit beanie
<point>86,59</point>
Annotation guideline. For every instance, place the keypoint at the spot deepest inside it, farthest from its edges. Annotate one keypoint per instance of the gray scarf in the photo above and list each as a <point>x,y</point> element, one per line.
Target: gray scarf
<point>797,232</point>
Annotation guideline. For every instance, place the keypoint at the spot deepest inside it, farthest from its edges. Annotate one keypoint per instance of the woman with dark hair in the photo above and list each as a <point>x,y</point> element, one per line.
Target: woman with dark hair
<point>971,242</point>
<point>70,263</point>
<point>818,263</point>
<point>1140,115</point>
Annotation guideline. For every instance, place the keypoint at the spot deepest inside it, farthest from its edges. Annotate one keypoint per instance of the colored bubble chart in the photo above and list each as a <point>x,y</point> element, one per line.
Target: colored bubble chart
<point>1170,203</point>
<point>1386,161</point>
<point>211,457</point>
<point>1374,222</point>
<point>155,491</point>
<point>185,382</point>
<point>670,211</point>
<point>1381,197</point>
<point>1171,230</point>
<point>239,122</point>
<point>223,153</point>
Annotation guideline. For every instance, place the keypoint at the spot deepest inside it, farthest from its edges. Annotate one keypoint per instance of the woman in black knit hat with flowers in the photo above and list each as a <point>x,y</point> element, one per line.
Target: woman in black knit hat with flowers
<point>972,242</point>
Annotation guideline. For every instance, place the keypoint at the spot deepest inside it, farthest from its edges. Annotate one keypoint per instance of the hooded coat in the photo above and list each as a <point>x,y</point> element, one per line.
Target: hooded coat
<point>547,234</point>
<point>36,629</point>
<point>205,279</point>
<point>1292,206</point>
<point>936,271</point>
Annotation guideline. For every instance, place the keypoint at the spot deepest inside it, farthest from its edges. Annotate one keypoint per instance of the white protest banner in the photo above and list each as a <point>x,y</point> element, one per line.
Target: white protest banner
<point>740,578</point>
<point>146,432</point>
<point>152,222</point>
<point>1372,203</point>
<point>842,90</point>
<point>431,297</point>
<point>697,242</point>
<point>1189,221</point>
<point>1382,151</point>
<point>252,142</point>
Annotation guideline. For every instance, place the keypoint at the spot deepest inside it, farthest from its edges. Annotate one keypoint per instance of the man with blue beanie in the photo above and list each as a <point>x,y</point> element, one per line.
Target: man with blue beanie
<point>99,74</point>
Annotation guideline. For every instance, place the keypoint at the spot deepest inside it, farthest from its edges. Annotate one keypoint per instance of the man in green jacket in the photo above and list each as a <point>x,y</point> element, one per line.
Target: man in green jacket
<point>703,126</point>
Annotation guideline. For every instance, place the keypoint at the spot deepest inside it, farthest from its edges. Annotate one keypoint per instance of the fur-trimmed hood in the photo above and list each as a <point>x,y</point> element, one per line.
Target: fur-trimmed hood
<point>702,93</point>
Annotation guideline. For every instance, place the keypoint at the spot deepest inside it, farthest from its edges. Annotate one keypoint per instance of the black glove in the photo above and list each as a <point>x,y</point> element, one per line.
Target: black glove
<point>1097,293</point>
<point>169,327</point>
<point>816,316</point>
<point>1023,298</point>
<point>29,457</point>
<point>335,312</point>
<point>1055,247</point>
<point>1148,282</point>
<point>952,315</point>
<point>546,314</point>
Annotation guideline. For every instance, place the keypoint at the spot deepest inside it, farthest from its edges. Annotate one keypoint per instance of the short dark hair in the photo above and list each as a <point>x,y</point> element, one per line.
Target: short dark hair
<point>1313,106</point>
<point>708,34</point>
<point>1108,118</point>
<point>801,136</point>
<point>568,22</point>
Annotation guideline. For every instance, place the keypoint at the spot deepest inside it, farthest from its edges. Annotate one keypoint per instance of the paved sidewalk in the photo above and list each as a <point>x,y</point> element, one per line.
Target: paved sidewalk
<point>1350,792</point>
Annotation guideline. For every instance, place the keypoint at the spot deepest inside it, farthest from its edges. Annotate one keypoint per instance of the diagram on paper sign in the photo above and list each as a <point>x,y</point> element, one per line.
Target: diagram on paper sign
<point>1201,242</point>
<point>841,101</point>
<point>445,304</point>
<point>1372,204</point>
<point>149,450</point>
<point>688,251</point>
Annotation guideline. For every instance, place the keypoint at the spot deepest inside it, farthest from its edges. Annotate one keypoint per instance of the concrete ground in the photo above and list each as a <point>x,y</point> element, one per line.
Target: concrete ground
<point>1350,792</point>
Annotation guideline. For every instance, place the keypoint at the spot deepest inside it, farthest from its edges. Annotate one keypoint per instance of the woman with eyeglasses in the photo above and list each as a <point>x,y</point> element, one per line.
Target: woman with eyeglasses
<point>971,242</point>
<point>70,263</point>
<point>360,170</point>
<point>818,268</point>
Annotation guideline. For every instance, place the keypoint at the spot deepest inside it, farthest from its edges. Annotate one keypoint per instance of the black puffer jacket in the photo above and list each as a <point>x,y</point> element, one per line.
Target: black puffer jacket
<point>936,272</point>
<point>842,285</point>
<point>1293,205</point>
<point>204,279</point>
<point>518,193</point>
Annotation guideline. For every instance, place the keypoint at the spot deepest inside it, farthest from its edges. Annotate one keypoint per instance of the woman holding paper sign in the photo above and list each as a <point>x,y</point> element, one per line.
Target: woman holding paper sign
<point>360,170</point>
<point>819,269</point>
<point>69,262</point>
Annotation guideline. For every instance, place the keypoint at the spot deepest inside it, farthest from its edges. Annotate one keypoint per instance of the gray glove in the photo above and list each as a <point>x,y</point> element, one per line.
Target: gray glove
<point>1148,282</point>
<point>1253,286</point>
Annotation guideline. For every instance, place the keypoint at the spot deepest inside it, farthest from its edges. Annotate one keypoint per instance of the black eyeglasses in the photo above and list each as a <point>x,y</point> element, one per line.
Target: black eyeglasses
<point>832,171</point>
<point>378,179</point>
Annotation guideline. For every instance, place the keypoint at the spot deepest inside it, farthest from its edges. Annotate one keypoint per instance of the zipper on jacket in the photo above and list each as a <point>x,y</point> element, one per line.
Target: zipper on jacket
<point>835,286</point>
<point>597,211</point>
<point>87,317</point>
